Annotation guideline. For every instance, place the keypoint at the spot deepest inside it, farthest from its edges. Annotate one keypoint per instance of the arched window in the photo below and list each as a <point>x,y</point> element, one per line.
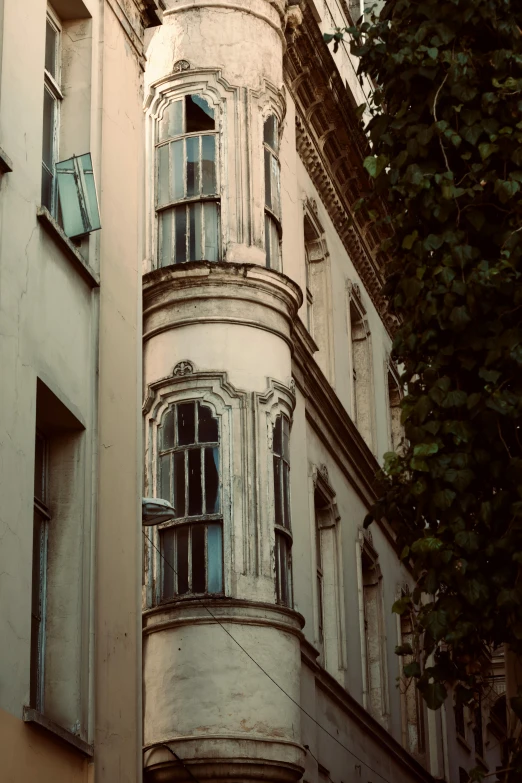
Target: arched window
<point>187,191</point>
<point>272,192</point>
<point>283,536</point>
<point>188,476</point>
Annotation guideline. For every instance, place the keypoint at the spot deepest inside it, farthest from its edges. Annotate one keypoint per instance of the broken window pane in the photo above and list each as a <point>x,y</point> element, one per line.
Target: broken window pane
<point>186,424</point>
<point>215,559</point>
<point>212,481</point>
<point>198,559</point>
<point>195,499</point>
<point>199,114</point>
<point>168,538</point>
<point>182,560</point>
<point>179,483</point>
<point>208,426</point>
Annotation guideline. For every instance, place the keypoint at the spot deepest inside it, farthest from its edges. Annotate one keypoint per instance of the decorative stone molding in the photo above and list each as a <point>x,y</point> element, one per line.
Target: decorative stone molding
<point>203,292</point>
<point>181,65</point>
<point>332,147</point>
<point>183,368</point>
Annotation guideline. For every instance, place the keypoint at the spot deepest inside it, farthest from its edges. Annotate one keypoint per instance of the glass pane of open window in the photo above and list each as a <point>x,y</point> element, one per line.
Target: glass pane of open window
<point>78,199</point>
<point>199,114</point>
<point>51,48</point>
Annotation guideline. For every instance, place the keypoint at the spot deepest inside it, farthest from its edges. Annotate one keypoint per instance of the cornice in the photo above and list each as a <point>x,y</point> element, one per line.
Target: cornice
<point>363,719</point>
<point>332,146</point>
<point>329,419</point>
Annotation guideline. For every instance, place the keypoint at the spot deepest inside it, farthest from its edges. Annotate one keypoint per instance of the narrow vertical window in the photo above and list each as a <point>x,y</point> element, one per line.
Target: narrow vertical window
<point>362,373</point>
<point>478,730</point>
<point>51,113</point>
<point>272,192</point>
<point>41,517</point>
<point>187,192</point>
<point>189,477</point>
<point>283,536</point>
<point>375,675</point>
<point>319,573</point>
<point>394,409</point>
<point>413,710</point>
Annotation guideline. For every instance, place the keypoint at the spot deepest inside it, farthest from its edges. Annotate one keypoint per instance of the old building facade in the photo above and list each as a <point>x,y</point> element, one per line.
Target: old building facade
<point>218,286</point>
<point>71,77</point>
<point>269,399</point>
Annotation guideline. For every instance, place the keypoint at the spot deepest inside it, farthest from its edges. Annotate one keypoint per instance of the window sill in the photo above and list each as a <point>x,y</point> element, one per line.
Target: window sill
<point>33,716</point>
<point>64,243</point>
<point>5,163</point>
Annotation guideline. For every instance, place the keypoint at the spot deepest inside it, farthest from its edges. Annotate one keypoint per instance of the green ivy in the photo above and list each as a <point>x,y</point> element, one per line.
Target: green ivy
<point>446,135</point>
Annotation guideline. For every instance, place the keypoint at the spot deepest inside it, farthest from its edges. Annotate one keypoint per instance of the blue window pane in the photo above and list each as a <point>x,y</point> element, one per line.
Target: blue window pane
<point>165,220</point>
<point>208,165</point>
<point>198,559</point>
<point>215,559</point>
<point>167,429</point>
<point>208,425</point>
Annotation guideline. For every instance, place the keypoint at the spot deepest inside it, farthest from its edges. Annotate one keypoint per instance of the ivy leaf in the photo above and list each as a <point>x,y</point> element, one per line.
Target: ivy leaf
<point>412,669</point>
<point>434,694</point>
<point>402,604</point>
<point>374,165</point>
<point>425,449</point>
<point>437,624</point>
<point>487,149</point>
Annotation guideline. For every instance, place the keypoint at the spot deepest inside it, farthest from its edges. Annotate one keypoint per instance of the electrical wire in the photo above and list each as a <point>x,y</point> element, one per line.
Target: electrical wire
<point>332,736</point>
<point>178,758</point>
<point>307,748</point>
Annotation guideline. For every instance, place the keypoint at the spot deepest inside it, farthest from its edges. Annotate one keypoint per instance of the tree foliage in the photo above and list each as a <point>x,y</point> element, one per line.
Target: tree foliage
<point>446,133</point>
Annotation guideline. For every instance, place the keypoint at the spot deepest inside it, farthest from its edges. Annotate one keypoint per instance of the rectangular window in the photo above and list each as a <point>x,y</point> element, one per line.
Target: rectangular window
<point>51,112</point>
<point>283,540</point>
<point>41,517</point>
<point>193,560</point>
<point>272,171</point>
<point>187,172</point>
<point>189,477</point>
<point>478,731</point>
<point>319,577</point>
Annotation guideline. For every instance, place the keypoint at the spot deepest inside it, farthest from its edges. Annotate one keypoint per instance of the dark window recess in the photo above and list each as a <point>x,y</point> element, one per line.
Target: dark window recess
<point>478,732</point>
<point>459,720</point>
<point>283,541</point>
<point>188,476</point>
<point>41,519</point>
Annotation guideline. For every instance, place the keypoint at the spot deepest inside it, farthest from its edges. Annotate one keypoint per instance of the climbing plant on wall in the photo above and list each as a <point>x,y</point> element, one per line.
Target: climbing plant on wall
<point>446,134</point>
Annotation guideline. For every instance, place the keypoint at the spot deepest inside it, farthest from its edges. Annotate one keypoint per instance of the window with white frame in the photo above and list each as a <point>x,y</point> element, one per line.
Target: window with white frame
<point>272,192</point>
<point>41,518</point>
<point>283,535</point>
<point>51,111</point>
<point>395,428</point>
<point>411,701</point>
<point>189,477</point>
<point>187,188</point>
<point>318,507</point>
